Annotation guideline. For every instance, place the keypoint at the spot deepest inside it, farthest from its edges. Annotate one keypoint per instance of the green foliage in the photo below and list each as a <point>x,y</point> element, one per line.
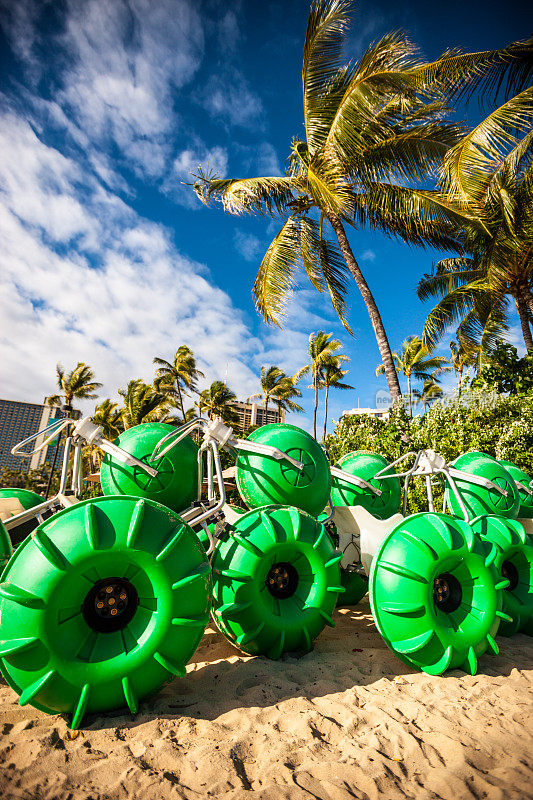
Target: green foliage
<point>505,372</point>
<point>34,479</point>
<point>497,424</point>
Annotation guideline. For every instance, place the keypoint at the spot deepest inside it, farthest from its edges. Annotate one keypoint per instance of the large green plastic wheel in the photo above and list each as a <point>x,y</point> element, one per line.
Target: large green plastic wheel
<point>355,585</point>
<point>262,480</point>
<point>27,500</point>
<point>512,551</point>
<point>275,581</point>
<point>106,602</point>
<point>176,484</point>
<point>5,546</point>
<point>525,510</point>
<point>365,465</point>
<point>479,500</point>
<point>435,593</point>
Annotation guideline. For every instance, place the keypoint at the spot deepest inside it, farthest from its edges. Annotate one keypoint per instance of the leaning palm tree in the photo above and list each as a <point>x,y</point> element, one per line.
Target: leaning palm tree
<point>270,380</point>
<point>331,376</point>
<point>217,401</point>
<point>375,134</point>
<point>490,172</point>
<point>321,348</point>
<point>415,361</point>
<point>142,403</point>
<point>78,384</point>
<point>176,377</point>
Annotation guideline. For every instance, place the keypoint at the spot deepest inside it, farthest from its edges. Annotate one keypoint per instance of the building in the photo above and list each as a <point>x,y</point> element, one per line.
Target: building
<point>18,420</point>
<point>378,413</point>
<point>253,414</point>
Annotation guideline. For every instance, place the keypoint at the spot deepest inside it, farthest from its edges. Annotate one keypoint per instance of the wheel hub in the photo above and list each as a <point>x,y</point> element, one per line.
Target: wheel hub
<point>510,573</point>
<point>282,580</point>
<point>110,605</point>
<point>447,592</point>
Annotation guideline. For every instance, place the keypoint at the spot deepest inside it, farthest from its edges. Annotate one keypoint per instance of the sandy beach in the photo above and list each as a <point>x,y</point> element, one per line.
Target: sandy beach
<point>348,720</point>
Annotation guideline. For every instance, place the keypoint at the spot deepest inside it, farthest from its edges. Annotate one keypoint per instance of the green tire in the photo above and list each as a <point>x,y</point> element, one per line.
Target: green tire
<point>365,465</point>
<point>62,647</point>
<point>27,499</point>
<point>526,500</point>
<point>479,500</point>
<point>435,594</point>
<point>512,551</point>
<point>5,546</point>
<point>175,485</point>
<point>262,480</point>
<point>275,581</point>
<point>355,585</point>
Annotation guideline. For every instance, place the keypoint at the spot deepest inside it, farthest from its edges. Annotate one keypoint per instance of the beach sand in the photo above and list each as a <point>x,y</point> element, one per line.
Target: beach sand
<point>348,720</point>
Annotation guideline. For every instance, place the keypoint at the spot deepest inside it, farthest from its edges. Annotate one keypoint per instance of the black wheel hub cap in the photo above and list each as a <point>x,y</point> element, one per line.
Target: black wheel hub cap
<point>447,592</point>
<point>282,580</point>
<point>510,573</point>
<point>110,605</point>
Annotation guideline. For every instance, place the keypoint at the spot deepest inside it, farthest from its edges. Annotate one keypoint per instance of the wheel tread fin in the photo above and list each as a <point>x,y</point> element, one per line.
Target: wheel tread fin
<point>135,522</point>
<point>277,649</point>
<point>245,638</point>
<point>12,646</point>
<point>415,643</point>
<point>79,708</point>
<point>201,572</point>
<point>15,593</point>
<point>49,550</point>
<point>129,695</point>
<point>190,622</point>
<point>34,688</point>
<point>170,665</point>
<point>175,536</point>
<point>247,545</point>
<point>492,644</point>
<point>404,572</point>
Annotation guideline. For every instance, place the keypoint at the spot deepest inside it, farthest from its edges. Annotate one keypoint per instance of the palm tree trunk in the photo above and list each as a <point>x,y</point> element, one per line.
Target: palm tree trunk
<point>178,387</point>
<point>373,311</point>
<point>522,308</point>
<point>315,383</point>
<point>460,381</point>
<point>267,398</point>
<point>326,413</point>
<point>409,394</point>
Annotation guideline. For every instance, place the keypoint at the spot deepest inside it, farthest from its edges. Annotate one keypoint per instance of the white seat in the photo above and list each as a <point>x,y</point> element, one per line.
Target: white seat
<point>10,507</point>
<point>360,533</point>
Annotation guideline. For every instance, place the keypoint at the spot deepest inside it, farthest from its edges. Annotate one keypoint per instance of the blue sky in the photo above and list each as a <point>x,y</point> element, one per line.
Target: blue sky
<point>105,108</point>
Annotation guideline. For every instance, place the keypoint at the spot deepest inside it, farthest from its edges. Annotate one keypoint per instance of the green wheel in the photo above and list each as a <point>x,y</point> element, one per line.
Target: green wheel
<point>176,483</point>
<point>276,580</point>
<point>262,480</point>
<point>5,546</point>
<point>435,593</point>
<point>355,585</point>
<point>364,465</point>
<point>14,501</point>
<point>512,551</point>
<point>526,500</point>
<point>106,601</point>
<point>477,499</point>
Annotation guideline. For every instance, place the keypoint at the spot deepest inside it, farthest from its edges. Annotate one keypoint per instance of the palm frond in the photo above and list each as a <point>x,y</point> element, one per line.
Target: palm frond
<point>447,274</point>
<point>263,195</point>
<point>275,278</point>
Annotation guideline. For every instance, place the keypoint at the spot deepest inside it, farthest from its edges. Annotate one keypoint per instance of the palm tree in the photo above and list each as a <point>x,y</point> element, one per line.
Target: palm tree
<point>173,379</point>
<point>285,392</point>
<point>415,360</point>
<point>463,354</point>
<point>78,384</point>
<point>373,128</point>
<point>108,415</point>
<point>270,381</point>
<point>430,391</point>
<point>321,348</point>
<point>216,402</point>
<point>331,375</point>
<point>490,172</point>
<point>143,403</point>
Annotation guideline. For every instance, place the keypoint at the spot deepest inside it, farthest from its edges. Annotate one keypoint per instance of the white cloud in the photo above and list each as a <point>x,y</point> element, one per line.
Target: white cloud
<point>368,255</point>
<point>267,160</point>
<point>230,100</point>
<point>112,301</point>
<point>120,62</point>
<point>249,246</point>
